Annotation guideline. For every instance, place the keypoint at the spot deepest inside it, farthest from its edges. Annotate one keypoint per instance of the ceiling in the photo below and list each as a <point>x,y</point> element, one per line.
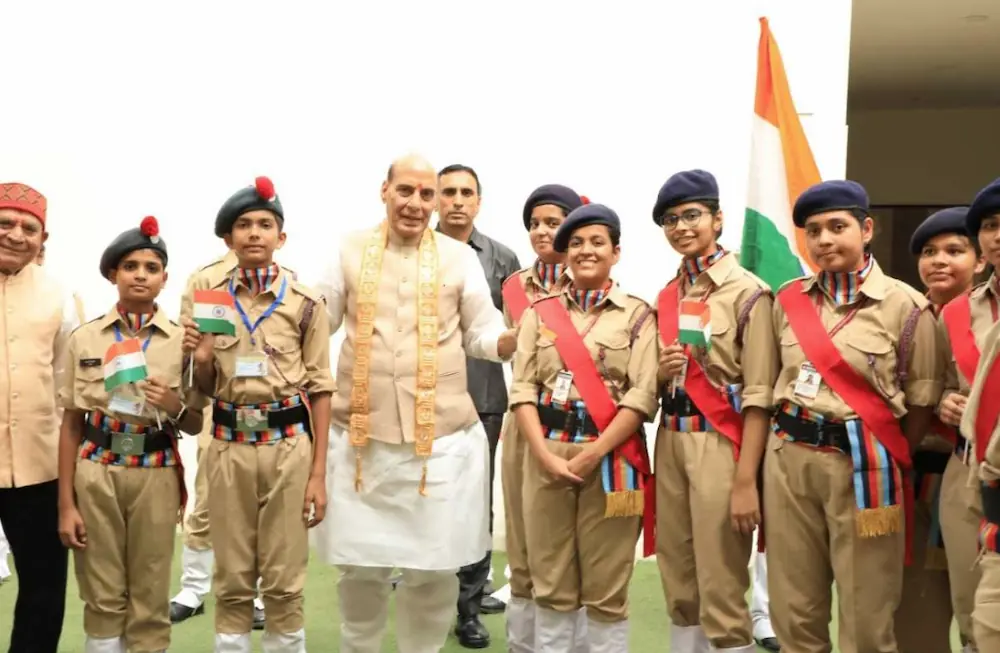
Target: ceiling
<point>934,54</point>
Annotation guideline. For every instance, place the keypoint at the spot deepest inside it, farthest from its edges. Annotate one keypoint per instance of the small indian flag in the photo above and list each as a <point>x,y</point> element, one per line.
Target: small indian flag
<point>215,312</point>
<point>694,324</point>
<point>124,363</point>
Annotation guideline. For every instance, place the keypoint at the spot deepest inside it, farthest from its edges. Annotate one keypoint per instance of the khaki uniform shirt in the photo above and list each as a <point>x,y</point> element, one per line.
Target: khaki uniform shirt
<point>294,364</point>
<point>754,364</point>
<point>534,290</point>
<point>869,344</point>
<point>37,318</point>
<point>989,470</point>
<point>629,368</point>
<point>82,386</point>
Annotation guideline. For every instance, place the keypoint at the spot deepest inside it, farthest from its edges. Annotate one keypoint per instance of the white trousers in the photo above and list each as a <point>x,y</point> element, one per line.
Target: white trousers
<point>760,611</point>
<point>425,608</point>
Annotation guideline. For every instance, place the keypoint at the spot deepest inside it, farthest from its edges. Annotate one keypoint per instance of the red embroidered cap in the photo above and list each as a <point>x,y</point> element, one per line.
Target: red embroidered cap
<point>23,197</point>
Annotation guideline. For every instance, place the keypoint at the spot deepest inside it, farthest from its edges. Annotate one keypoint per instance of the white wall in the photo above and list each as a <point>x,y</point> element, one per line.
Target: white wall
<point>117,110</point>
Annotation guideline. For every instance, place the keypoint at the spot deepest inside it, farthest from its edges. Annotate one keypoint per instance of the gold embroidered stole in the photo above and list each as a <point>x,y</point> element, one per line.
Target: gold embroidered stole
<point>427,343</point>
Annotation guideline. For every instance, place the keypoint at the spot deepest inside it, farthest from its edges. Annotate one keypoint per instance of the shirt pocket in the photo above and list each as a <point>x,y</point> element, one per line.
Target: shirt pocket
<point>791,354</point>
<point>874,355</point>
<point>613,352</point>
<point>225,355</point>
<point>88,385</point>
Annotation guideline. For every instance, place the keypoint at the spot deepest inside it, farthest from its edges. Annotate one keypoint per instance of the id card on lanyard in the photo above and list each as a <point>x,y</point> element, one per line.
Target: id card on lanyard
<point>254,365</point>
<point>809,380</point>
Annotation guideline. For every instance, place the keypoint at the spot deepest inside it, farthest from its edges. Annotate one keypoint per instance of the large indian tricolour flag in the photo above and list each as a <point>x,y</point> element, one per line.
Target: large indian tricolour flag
<point>781,167</point>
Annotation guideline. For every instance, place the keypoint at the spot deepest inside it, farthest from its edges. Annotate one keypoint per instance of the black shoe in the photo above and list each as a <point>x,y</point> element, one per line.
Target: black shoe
<point>259,621</point>
<point>769,643</point>
<point>488,588</point>
<point>472,633</point>
<point>179,613</point>
<point>491,605</point>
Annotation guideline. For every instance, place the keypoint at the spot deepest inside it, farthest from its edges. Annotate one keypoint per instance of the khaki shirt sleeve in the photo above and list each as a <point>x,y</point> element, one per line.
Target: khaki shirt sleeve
<point>760,358</point>
<point>924,377</point>
<point>947,360</point>
<point>524,388</point>
<point>316,352</point>
<point>187,299</point>
<point>66,381</point>
<point>642,365</point>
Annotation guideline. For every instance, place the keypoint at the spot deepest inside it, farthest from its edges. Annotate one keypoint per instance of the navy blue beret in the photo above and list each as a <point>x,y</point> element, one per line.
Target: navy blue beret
<point>836,195</point>
<point>252,198</point>
<point>556,194</point>
<point>587,214</point>
<point>145,236</point>
<point>684,187</point>
<point>945,221</point>
<point>987,203</point>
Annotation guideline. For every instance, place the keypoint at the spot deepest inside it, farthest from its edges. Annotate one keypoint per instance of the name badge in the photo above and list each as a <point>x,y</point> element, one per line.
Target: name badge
<point>128,444</point>
<point>807,385</point>
<point>251,420</point>
<point>126,404</point>
<point>560,393</point>
<point>251,366</point>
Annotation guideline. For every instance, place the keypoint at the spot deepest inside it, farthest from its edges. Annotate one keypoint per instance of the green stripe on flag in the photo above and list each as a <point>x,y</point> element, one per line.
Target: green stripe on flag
<point>765,251</point>
<point>213,325</point>
<point>129,375</point>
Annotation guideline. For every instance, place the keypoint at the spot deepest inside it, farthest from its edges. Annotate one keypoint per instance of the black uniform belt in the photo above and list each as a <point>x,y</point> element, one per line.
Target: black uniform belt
<point>930,462</point>
<point>153,441</point>
<point>569,421</point>
<point>276,419</point>
<point>679,405</point>
<point>991,503</point>
<point>817,434</point>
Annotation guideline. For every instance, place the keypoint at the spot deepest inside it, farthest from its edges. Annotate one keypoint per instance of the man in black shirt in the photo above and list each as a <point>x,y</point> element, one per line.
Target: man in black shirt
<point>459,193</point>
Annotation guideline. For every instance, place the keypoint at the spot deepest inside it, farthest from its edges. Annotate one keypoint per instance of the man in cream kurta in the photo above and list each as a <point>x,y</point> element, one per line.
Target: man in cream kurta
<point>408,482</point>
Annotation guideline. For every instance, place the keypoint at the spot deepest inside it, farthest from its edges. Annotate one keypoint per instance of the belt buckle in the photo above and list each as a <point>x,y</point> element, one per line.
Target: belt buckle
<point>251,420</point>
<point>128,444</point>
<point>569,424</point>
<point>825,437</point>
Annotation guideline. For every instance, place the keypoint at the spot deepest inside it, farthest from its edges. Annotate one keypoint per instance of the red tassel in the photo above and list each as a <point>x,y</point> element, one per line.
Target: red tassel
<point>265,188</point>
<point>149,227</point>
<point>584,199</point>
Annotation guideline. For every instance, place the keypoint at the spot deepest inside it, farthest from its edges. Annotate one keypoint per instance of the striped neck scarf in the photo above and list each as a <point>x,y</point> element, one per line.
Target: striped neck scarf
<point>845,287</point>
<point>588,299</point>
<point>549,273</point>
<point>257,280</point>
<point>696,265</point>
<point>135,321</point>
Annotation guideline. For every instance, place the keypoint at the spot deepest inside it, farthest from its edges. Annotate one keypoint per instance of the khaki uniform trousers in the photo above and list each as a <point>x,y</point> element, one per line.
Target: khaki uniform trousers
<point>961,512</point>
<point>923,619</point>
<point>810,525</point>
<point>694,482</point>
<point>577,556</point>
<point>124,573</point>
<point>986,616</point>
<point>196,533</point>
<point>512,480</point>
<point>255,499</point>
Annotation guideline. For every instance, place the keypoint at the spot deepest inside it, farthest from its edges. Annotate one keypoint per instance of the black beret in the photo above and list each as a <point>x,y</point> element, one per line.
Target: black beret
<point>836,195</point>
<point>260,196</point>
<point>556,194</point>
<point>684,187</point>
<point>145,236</point>
<point>587,214</point>
<point>987,203</point>
<point>945,221</point>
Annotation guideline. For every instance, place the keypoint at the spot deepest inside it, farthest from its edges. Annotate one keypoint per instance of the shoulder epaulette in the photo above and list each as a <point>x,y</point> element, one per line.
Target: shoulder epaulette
<point>306,291</point>
<point>96,319</point>
<point>791,281</point>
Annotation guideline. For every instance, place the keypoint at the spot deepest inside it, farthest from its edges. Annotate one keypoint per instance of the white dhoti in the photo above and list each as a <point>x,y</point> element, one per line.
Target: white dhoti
<point>388,524</point>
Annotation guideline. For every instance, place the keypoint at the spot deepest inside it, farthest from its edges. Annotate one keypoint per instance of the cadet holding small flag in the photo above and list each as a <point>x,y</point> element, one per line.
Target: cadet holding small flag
<point>271,386</point>
<point>718,364</point>
<point>121,484</point>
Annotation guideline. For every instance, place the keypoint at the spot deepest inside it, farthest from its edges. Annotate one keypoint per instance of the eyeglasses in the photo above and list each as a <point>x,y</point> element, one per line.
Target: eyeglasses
<point>689,218</point>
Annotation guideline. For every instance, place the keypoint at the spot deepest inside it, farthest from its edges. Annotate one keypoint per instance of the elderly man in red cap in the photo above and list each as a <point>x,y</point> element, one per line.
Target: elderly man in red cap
<point>30,360</point>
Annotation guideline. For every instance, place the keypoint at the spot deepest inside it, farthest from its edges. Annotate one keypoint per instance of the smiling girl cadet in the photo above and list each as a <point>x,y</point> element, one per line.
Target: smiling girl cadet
<point>121,483</point>
<point>584,383</point>
<point>947,510</point>
<point>544,211</point>
<point>857,355</point>
<point>716,399</point>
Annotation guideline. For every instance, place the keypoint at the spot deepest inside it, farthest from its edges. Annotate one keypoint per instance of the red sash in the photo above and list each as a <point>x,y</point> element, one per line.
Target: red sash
<point>989,410</point>
<point>711,401</point>
<point>853,388</point>
<point>515,297</point>
<point>957,316</point>
<point>597,398</point>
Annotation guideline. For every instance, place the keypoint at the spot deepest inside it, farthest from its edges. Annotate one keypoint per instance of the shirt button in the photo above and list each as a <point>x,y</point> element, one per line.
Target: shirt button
<point>14,396</point>
<point>398,354</point>
<point>13,366</point>
<point>404,279</point>
<point>399,329</point>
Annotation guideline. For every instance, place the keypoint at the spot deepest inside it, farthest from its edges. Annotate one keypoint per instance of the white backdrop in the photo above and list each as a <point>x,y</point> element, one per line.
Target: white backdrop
<point>116,110</point>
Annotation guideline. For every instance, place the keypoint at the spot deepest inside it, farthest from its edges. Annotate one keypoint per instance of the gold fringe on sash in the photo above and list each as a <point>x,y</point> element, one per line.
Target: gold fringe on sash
<point>427,342</point>
<point>874,522</point>
<point>624,503</point>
